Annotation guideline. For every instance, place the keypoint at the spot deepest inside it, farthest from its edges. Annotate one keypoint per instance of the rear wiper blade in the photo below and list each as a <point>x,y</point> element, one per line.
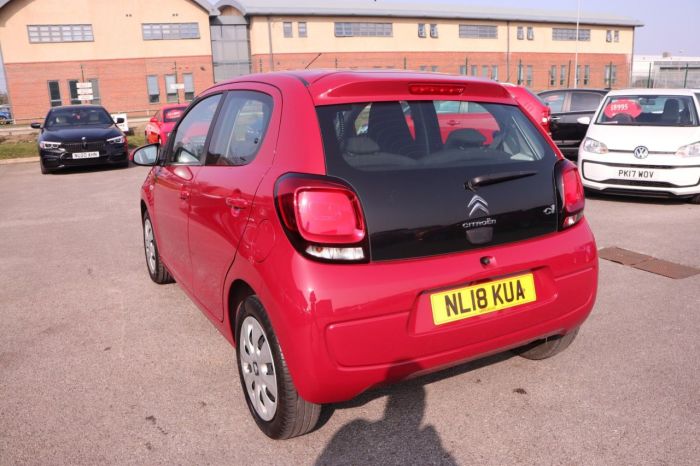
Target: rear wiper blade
<point>485,180</point>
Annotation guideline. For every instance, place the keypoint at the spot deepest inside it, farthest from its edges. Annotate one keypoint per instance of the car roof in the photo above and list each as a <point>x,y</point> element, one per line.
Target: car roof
<point>78,107</point>
<point>653,91</point>
<point>334,86</point>
<point>576,89</point>
<point>169,106</point>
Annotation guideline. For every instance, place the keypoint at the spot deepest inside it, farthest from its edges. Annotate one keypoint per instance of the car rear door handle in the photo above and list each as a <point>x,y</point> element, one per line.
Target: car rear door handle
<point>554,118</point>
<point>237,203</point>
<point>452,123</point>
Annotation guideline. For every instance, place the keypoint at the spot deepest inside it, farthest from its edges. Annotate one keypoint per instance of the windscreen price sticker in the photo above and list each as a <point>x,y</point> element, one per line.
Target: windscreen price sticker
<point>628,107</point>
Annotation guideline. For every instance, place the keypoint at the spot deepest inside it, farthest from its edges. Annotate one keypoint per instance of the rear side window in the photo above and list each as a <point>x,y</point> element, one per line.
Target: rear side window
<point>555,101</point>
<point>241,128</point>
<point>425,135</point>
<point>585,101</point>
<point>648,110</point>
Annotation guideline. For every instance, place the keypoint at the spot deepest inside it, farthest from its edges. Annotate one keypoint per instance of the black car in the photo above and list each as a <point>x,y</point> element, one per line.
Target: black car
<point>567,106</point>
<point>80,135</point>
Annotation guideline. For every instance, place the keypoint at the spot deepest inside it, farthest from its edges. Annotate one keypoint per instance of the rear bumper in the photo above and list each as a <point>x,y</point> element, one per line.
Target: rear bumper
<point>349,328</point>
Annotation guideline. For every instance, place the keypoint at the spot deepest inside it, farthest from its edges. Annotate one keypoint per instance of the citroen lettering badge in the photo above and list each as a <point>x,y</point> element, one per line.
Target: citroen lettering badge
<point>641,152</point>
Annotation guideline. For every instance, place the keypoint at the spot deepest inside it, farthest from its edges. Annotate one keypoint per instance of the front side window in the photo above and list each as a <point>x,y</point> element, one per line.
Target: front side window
<point>241,128</point>
<point>54,93</point>
<point>191,134</point>
<point>648,110</point>
<point>170,31</point>
<point>42,33</point>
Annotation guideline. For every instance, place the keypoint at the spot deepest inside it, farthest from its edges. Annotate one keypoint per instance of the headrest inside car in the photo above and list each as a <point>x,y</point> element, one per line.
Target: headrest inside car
<point>361,145</point>
<point>467,137</point>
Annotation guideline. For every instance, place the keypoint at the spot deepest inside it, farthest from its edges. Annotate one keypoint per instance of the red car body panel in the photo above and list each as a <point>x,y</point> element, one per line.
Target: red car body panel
<point>532,104</point>
<point>159,127</point>
<point>344,328</point>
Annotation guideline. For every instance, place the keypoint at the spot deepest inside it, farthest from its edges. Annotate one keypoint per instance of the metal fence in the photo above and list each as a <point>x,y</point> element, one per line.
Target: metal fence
<point>680,74</point>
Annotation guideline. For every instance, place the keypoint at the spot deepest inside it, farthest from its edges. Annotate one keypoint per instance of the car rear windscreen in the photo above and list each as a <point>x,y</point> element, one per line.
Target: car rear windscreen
<point>414,166</point>
<point>648,110</point>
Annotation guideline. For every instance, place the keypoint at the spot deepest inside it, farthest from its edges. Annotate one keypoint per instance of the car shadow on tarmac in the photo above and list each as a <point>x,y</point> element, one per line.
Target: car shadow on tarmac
<point>636,199</point>
<point>399,437</point>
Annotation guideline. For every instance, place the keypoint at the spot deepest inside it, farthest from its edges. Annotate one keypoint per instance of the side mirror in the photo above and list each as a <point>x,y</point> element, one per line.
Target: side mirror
<point>585,120</point>
<point>146,156</point>
<point>36,125</point>
<point>120,121</point>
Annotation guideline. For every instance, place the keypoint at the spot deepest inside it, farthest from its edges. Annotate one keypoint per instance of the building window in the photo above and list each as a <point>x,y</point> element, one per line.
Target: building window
<point>301,29</point>
<point>520,74</point>
<point>287,29</point>
<point>55,94</point>
<point>562,76</point>
<point>463,69</point>
<point>494,72</point>
<point>484,71</point>
<point>521,33</point>
<point>170,31</point>
<point>73,89</point>
<point>586,75</point>
<point>610,75</point>
<point>617,36</point>
<point>423,68</point>
<point>608,36</point>
<point>570,34</point>
<point>171,92</point>
<point>421,30</point>
<point>40,33</point>
<point>433,31</point>
<point>363,29</point>
<point>530,33</point>
<point>434,68</point>
<point>553,75</point>
<point>475,70</point>
<point>188,80</point>
<point>478,31</point>
<point>95,91</point>
<point>153,89</point>
<point>528,82</point>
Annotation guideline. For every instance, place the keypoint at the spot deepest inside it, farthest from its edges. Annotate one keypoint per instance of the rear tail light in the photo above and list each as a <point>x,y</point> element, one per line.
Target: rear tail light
<point>322,218</point>
<point>571,197</point>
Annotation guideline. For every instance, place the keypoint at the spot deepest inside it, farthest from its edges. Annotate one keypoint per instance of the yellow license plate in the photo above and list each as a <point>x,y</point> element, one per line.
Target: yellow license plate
<point>470,301</point>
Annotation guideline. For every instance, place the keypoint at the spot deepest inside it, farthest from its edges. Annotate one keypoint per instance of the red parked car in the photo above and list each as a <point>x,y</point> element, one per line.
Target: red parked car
<point>162,123</point>
<point>532,103</point>
<point>337,249</point>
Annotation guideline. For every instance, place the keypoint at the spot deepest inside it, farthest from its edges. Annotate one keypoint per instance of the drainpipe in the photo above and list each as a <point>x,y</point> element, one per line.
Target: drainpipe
<point>508,51</point>
<point>269,40</point>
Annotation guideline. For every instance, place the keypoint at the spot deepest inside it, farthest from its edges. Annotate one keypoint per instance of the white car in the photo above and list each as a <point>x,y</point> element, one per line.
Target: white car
<point>644,142</point>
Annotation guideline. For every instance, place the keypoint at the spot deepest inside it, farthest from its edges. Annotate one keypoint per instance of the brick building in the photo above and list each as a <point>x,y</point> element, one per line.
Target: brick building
<point>129,50</point>
<point>133,51</point>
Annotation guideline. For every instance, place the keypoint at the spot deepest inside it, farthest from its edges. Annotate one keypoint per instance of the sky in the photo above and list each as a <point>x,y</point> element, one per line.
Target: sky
<point>669,25</point>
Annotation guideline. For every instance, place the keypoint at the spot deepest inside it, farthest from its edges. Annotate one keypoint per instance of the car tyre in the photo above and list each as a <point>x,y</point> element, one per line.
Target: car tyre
<point>548,347</point>
<point>43,169</point>
<point>278,409</point>
<point>156,269</point>
<point>695,199</point>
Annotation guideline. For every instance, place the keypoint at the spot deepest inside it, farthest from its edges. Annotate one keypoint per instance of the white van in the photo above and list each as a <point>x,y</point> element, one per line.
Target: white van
<point>644,142</point>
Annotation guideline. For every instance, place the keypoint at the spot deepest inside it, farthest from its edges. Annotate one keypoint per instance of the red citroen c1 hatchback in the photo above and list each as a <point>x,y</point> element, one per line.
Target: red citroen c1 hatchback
<point>334,234</point>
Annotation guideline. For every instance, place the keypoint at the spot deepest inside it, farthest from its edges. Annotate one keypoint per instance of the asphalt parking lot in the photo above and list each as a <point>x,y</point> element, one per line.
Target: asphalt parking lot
<point>98,365</point>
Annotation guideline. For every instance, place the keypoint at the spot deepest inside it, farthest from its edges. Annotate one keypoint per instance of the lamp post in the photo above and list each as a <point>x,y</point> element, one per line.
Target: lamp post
<point>578,21</point>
